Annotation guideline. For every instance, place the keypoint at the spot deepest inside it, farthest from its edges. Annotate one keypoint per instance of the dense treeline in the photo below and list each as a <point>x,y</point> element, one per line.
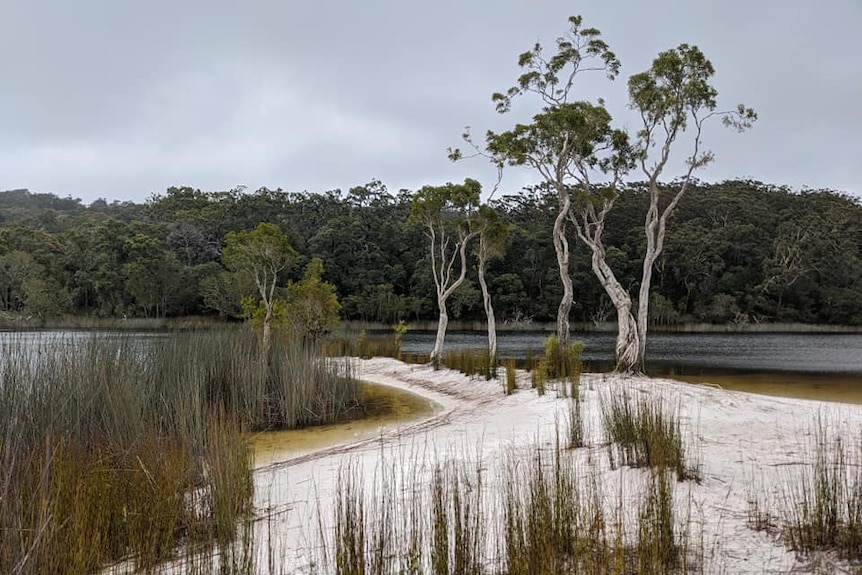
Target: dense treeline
<point>738,251</point>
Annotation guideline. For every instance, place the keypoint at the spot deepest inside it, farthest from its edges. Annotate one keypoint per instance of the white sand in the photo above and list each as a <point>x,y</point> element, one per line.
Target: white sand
<point>746,444</point>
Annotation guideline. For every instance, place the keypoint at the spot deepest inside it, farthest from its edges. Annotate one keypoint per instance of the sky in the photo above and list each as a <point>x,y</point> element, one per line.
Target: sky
<point>120,100</point>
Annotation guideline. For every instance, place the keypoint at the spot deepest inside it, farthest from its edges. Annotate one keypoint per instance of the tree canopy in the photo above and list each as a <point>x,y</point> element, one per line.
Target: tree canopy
<point>741,251</point>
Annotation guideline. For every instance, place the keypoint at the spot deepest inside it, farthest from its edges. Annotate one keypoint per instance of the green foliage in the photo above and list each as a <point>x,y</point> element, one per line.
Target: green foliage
<point>312,306</point>
<point>774,255</point>
<point>399,330</point>
<point>562,362</point>
<point>261,253</point>
<point>254,310</point>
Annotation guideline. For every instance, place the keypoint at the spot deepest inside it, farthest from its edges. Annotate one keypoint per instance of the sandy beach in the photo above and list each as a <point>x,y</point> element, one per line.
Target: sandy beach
<point>747,447</point>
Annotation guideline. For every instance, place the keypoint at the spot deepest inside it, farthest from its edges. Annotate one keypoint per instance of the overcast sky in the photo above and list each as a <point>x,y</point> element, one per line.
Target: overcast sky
<point>121,99</point>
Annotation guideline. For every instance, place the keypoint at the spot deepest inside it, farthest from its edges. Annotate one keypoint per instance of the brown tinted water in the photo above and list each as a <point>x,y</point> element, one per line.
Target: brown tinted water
<point>823,387</point>
<point>385,408</point>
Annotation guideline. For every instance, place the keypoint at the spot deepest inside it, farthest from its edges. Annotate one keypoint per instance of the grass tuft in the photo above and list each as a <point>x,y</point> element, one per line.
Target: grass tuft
<point>644,434</point>
<point>822,507</point>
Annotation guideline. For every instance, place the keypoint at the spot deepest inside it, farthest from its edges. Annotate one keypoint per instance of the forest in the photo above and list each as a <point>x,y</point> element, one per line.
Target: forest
<point>736,252</point>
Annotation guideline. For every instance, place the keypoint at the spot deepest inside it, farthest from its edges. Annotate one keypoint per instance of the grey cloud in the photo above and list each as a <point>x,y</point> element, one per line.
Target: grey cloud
<point>117,99</point>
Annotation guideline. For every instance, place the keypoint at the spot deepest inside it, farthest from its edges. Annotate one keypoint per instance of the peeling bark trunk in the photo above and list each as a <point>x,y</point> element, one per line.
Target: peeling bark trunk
<point>628,343</point>
<point>627,351</point>
<point>489,312</point>
<point>561,247</point>
<point>443,321</point>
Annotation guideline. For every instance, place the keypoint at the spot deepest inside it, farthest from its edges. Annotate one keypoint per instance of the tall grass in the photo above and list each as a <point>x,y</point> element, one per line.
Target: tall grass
<point>560,363</point>
<point>511,377</point>
<point>549,517</point>
<point>365,346</point>
<point>115,447</point>
<point>644,434</point>
<point>822,505</point>
<point>471,362</point>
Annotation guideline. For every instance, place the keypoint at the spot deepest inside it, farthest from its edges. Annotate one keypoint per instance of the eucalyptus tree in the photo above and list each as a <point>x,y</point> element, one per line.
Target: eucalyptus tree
<point>312,306</point>
<point>674,97</point>
<point>563,136</point>
<point>576,150</point>
<point>446,213</point>
<point>261,254</point>
<point>493,235</point>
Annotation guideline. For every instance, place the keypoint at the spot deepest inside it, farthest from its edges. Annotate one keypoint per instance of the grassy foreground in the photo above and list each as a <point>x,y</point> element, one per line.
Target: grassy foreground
<point>114,447</point>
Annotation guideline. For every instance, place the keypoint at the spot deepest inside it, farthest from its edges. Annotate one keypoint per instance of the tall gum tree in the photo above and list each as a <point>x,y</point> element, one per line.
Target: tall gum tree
<point>493,235</point>
<point>673,99</point>
<point>552,144</point>
<point>446,213</point>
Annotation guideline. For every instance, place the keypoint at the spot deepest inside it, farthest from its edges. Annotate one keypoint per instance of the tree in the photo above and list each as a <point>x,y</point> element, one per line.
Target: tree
<point>562,138</point>
<point>261,254</point>
<point>674,95</point>
<point>446,212</point>
<point>574,147</point>
<point>312,307</point>
<point>493,235</point>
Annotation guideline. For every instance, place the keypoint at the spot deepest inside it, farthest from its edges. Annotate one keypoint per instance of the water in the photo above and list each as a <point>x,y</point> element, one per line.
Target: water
<point>674,353</point>
<point>386,409</point>
<point>823,366</point>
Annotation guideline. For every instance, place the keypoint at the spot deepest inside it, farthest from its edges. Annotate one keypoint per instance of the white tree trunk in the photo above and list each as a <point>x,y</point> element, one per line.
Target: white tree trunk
<point>489,312</point>
<point>437,352</point>
<point>628,336</point>
<point>654,228</point>
<point>561,247</point>
<point>643,310</point>
<point>267,318</point>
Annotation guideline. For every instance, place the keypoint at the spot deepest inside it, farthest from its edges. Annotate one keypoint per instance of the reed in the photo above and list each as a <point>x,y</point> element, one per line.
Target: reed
<point>644,434</point>
<point>821,507</point>
<point>471,362</point>
<point>562,362</point>
<point>511,381</point>
<point>551,517</point>
<point>114,447</point>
